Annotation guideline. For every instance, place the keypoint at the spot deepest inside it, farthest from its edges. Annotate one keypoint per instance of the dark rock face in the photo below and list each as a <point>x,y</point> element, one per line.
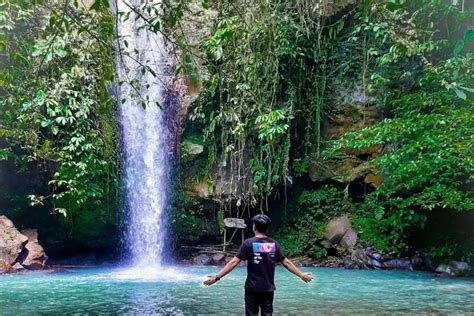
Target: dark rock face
<point>350,109</point>
<point>19,251</point>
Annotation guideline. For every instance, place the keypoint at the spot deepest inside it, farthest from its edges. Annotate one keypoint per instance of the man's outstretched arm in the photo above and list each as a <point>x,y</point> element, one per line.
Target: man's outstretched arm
<point>306,277</point>
<point>225,270</point>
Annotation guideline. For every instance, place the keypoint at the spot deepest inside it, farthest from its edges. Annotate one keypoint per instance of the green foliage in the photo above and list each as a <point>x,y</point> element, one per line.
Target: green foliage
<point>266,87</point>
<point>270,125</point>
<point>300,166</point>
<point>427,158</point>
<point>289,241</point>
<point>55,104</point>
<point>186,216</point>
<point>268,68</point>
<point>265,103</point>
<point>220,221</point>
<point>441,252</point>
<point>315,208</point>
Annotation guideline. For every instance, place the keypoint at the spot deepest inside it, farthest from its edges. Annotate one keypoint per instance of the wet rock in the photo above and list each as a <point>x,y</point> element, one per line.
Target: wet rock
<point>330,262</point>
<point>418,263</point>
<point>374,255</point>
<point>373,264</point>
<point>443,269</point>
<point>461,268</point>
<point>348,263</point>
<point>427,264</point>
<point>303,261</point>
<point>17,267</point>
<point>398,264</point>
<point>11,242</point>
<point>357,260</point>
<point>336,229</point>
<point>202,260</point>
<point>455,269</point>
<point>32,257</point>
<point>218,258</point>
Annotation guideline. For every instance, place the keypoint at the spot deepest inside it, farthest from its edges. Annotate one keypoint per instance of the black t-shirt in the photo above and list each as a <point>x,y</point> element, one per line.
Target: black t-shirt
<point>261,254</point>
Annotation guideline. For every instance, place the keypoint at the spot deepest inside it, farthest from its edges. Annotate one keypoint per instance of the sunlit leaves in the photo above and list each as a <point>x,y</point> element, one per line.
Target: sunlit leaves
<point>271,125</point>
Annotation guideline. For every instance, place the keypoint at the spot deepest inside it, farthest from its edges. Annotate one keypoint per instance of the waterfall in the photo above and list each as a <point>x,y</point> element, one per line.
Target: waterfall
<point>140,70</point>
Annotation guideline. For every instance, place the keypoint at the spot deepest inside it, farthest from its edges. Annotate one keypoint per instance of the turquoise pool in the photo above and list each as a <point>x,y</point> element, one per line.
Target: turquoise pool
<point>179,291</point>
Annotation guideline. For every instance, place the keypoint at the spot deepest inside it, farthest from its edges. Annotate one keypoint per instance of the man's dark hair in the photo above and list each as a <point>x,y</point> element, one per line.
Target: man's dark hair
<point>262,222</point>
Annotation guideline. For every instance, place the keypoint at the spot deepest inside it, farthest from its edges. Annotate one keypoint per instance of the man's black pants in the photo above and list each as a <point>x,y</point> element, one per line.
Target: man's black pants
<point>258,301</point>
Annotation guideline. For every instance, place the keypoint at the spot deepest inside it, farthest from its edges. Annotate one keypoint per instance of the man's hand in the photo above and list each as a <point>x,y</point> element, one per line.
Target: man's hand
<point>306,277</point>
<point>211,279</point>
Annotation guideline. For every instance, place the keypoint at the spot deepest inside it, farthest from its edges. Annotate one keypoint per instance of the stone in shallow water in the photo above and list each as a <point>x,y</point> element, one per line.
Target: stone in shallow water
<point>455,268</point>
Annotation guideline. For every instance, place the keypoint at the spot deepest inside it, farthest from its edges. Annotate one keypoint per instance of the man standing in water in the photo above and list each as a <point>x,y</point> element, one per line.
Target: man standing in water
<point>262,253</point>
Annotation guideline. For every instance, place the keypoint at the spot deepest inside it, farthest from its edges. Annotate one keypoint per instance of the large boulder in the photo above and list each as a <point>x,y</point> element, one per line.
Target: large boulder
<point>32,257</point>
<point>202,260</point>
<point>11,244</point>
<point>5,267</point>
<point>339,235</point>
<point>336,229</point>
<point>218,258</point>
<point>349,239</point>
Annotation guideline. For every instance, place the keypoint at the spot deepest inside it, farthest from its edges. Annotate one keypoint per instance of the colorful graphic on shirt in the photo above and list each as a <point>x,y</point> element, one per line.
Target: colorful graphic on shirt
<point>265,247</point>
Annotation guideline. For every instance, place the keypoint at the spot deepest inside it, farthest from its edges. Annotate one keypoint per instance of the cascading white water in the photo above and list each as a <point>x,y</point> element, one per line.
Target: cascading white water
<point>141,68</point>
